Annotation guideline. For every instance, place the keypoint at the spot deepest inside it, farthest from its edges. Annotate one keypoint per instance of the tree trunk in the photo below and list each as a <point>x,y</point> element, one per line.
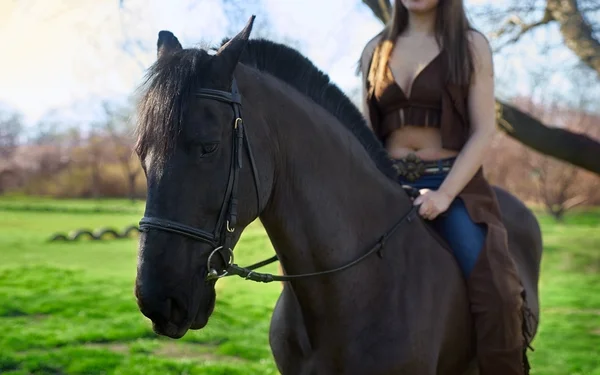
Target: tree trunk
<point>576,149</point>
<point>131,180</point>
<point>557,214</point>
<point>576,31</point>
<point>95,188</point>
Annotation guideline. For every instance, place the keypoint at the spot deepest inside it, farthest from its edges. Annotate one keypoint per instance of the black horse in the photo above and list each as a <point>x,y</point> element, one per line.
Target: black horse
<point>256,130</point>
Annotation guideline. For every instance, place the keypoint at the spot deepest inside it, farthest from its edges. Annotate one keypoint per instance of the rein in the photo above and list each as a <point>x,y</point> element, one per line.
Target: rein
<point>249,274</point>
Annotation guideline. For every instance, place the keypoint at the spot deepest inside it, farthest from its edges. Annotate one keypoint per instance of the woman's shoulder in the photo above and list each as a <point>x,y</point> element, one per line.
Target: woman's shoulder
<point>372,43</point>
<point>368,50</point>
<point>478,39</point>
<point>480,46</point>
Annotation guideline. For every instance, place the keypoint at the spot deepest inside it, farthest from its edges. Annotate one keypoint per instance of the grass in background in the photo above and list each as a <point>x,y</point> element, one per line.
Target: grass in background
<point>68,307</point>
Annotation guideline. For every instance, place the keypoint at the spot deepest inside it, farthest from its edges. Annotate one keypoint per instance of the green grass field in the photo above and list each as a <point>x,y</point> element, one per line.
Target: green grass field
<point>68,308</point>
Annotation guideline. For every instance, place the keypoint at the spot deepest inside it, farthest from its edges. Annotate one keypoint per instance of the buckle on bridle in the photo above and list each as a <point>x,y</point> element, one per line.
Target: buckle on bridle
<point>213,274</point>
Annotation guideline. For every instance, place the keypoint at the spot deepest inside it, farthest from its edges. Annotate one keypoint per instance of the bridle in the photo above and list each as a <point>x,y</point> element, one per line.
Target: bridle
<point>221,239</point>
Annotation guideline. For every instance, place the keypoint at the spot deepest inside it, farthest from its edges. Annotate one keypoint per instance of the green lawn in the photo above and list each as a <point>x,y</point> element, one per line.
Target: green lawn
<point>68,308</point>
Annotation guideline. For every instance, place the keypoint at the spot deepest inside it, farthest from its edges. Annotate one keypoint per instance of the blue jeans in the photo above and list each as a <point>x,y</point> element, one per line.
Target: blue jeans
<point>465,237</point>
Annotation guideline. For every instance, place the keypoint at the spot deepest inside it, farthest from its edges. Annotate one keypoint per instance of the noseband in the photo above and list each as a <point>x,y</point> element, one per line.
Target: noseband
<point>221,239</point>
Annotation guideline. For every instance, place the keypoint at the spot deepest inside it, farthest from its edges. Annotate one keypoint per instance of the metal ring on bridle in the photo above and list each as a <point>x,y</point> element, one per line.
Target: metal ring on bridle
<point>212,273</point>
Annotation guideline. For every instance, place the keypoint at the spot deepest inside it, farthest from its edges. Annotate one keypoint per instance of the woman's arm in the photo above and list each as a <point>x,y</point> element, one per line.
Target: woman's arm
<point>482,116</point>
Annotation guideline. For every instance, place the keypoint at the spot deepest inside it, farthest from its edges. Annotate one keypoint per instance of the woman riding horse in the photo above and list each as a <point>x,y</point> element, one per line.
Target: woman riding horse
<point>429,97</point>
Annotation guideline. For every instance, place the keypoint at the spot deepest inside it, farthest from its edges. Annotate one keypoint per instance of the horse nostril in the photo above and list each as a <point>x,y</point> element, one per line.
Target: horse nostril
<point>152,305</point>
<point>177,311</point>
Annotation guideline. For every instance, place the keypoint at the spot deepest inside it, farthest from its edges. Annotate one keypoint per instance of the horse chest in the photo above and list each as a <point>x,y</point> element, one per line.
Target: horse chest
<point>378,350</point>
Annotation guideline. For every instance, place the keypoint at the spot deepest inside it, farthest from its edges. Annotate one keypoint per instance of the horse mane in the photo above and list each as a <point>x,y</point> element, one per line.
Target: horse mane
<point>171,80</point>
<point>165,94</point>
<point>291,67</point>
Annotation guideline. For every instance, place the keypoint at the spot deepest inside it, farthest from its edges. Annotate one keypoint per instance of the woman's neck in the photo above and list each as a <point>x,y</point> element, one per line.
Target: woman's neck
<point>421,24</point>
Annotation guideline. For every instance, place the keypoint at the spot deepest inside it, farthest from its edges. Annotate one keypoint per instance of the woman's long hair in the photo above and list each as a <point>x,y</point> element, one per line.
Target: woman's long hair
<point>451,30</point>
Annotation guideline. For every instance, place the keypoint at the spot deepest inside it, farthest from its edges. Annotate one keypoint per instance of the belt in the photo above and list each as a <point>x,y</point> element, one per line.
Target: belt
<point>413,167</point>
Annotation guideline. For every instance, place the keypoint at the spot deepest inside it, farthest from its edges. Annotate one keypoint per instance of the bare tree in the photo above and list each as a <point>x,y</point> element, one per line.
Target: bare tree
<point>118,126</point>
<point>580,36</point>
<point>94,159</point>
<point>556,187</point>
<point>578,22</point>
<point>559,185</point>
<point>237,14</point>
<point>51,155</point>
<point>10,131</point>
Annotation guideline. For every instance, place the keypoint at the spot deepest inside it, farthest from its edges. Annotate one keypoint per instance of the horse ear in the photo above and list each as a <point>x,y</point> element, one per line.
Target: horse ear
<point>229,54</point>
<point>167,43</point>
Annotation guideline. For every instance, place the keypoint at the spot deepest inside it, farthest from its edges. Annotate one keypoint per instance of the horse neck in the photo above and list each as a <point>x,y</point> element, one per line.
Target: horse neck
<point>329,202</point>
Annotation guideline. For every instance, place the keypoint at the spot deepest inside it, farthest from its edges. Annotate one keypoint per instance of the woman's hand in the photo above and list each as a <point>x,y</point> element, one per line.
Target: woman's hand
<point>433,203</point>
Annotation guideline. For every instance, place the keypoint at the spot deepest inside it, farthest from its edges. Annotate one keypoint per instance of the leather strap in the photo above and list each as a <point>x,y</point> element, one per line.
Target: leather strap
<point>249,274</point>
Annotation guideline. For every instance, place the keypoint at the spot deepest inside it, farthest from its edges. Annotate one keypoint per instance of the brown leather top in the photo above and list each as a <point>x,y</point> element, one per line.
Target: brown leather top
<point>422,107</point>
<point>479,198</point>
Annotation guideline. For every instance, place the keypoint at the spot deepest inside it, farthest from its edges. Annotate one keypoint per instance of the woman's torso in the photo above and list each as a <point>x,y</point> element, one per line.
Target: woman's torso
<point>409,99</point>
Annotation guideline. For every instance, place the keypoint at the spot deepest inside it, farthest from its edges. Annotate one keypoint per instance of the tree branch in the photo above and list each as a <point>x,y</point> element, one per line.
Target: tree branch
<point>574,148</point>
<point>575,201</point>
<point>382,9</point>
<point>577,32</point>
<point>514,21</point>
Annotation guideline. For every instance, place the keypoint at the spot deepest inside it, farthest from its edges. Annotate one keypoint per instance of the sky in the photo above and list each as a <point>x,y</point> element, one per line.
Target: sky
<point>62,58</point>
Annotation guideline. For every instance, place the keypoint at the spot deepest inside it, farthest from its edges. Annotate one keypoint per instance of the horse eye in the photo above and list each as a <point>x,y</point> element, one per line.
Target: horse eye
<point>210,147</point>
<point>207,149</point>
